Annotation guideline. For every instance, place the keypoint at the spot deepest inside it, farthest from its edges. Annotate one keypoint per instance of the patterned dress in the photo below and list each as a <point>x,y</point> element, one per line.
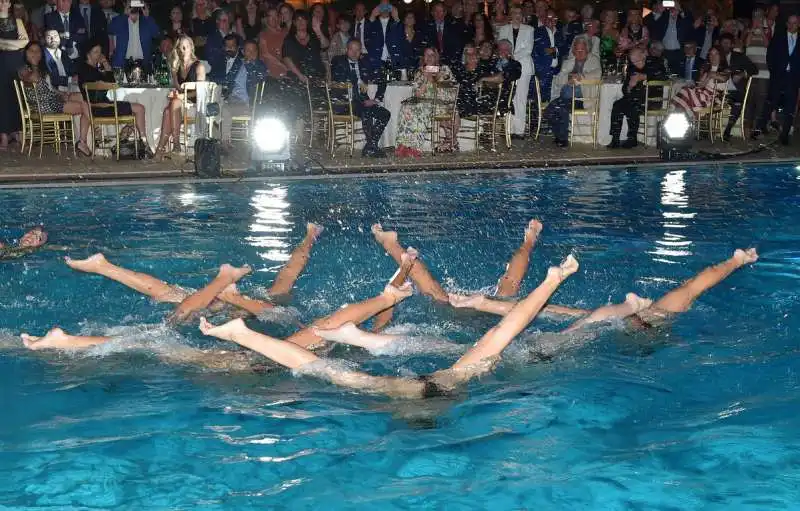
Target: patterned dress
<point>698,97</point>
<point>415,113</point>
<point>49,101</point>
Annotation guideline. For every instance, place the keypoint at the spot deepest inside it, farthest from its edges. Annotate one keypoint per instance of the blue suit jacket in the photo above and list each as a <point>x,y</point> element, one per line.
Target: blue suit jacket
<point>215,55</point>
<point>696,67</point>
<point>148,31</point>
<point>373,33</point>
<point>52,67</point>
<point>78,34</point>
<point>542,62</point>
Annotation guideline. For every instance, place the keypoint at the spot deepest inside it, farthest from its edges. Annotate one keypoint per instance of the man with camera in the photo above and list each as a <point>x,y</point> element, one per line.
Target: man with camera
<point>384,35</point>
<point>132,37</point>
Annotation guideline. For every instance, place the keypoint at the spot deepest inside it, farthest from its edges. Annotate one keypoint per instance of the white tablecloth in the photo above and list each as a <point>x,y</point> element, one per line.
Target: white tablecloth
<point>154,101</point>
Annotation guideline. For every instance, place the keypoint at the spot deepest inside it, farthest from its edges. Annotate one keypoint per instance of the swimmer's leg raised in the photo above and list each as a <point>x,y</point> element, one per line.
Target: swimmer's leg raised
<point>232,296</point>
<point>520,316</point>
<point>359,312</point>
<point>385,316</point>
<point>350,334</point>
<point>419,273</point>
<point>141,282</point>
<point>517,267</point>
<point>629,307</point>
<point>287,276</point>
<point>200,300</point>
<point>502,307</point>
<point>58,339</point>
<point>681,299</point>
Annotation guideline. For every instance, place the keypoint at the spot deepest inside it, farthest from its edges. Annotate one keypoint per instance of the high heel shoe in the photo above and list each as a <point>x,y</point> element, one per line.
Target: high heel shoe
<point>161,153</point>
<point>83,152</point>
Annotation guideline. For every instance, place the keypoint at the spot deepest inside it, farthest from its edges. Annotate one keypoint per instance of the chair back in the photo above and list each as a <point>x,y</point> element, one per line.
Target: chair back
<point>589,96</point>
<point>445,94</point>
<point>22,101</point>
<point>205,93</point>
<point>30,101</point>
<point>258,97</point>
<point>338,95</point>
<point>538,92</point>
<point>657,96</point>
<point>110,89</point>
<point>485,88</point>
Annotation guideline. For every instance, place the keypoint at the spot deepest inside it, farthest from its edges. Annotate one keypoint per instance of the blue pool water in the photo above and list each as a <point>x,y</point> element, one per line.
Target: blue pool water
<point>702,415</point>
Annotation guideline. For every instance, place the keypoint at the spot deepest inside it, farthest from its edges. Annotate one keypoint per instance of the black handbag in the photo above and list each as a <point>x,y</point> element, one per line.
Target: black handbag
<point>128,150</point>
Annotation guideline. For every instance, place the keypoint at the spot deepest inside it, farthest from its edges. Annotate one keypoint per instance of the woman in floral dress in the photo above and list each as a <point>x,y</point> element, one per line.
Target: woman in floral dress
<point>415,114</point>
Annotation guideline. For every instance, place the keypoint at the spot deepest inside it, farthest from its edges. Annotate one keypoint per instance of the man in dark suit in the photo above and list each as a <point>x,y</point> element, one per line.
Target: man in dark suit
<point>359,30</point>
<point>444,36</point>
<point>68,22</point>
<point>355,69</point>
<point>691,63</point>
<point>383,36</point>
<point>706,33</point>
<point>548,43</point>
<point>783,61</point>
<point>95,21</point>
<point>672,26</point>
<point>631,105</point>
<point>58,64</point>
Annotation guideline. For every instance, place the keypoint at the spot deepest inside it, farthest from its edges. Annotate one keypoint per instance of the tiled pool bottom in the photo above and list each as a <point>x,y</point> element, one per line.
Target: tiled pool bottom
<point>702,415</point>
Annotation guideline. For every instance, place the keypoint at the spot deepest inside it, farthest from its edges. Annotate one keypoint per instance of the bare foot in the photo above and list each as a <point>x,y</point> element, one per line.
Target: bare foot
<point>383,237</point>
<point>468,302</point>
<point>236,273</point>
<point>743,257</point>
<point>313,230</point>
<point>344,332</point>
<point>225,331</point>
<point>54,339</point>
<point>398,293</point>
<point>230,292</point>
<point>409,255</point>
<point>637,303</point>
<point>533,230</point>
<point>89,264</point>
<point>567,268</point>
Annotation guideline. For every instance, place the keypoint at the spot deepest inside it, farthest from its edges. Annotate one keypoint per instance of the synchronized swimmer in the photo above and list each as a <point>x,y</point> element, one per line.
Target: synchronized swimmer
<point>296,351</point>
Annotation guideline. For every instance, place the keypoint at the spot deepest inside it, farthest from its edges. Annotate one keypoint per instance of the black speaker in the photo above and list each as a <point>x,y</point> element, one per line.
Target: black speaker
<point>207,158</point>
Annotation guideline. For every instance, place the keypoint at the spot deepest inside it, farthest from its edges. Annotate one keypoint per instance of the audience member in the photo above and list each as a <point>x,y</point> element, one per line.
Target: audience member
<point>412,43</point>
<point>691,64</point>
<point>521,38</point>
<point>132,38</point>
<point>340,37</point>
<point>383,35</point>
<point>248,23</point>
<point>443,35</point>
<point>270,44</point>
<point>548,42</point>
<point>68,22</point>
<point>783,60</point>
<point>59,66</point>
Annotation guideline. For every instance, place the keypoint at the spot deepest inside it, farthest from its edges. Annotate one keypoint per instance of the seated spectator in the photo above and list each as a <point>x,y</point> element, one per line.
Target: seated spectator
<point>631,105</point>
<point>411,44</point>
<point>706,33</point>
<point>162,58</point>
<point>96,68</point>
<point>234,85</point>
<point>202,25</point>
<point>340,38</point>
<point>302,52</point>
<point>185,68</point>
<point>215,46</point>
<point>354,68</point>
<point>713,78</point>
<point>634,35</point>
<point>470,74</point>
<point>256,69</point>
<point>59,66</point>
<point>481,29</point>
<point>592,37</point>
<point>582,65</point>
<point>414,122</point>
<point>655,55</point>
<point>68,22</point>
<point>176,27</point>
<point>46,100</point>
<point>248,24</point>
<point>691,64</point>
<point>270,44</point>
<point>132,38</point>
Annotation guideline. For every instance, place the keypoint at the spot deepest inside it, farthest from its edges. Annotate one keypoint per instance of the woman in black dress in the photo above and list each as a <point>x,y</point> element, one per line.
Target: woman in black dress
<point>412,43</point>
<point>469,76</point>
<point>202,25</point>
<point>13,38</point>
<point>185,68</point>
<point>248,22</point>
<point>96,68</point>
<point>176,27</point>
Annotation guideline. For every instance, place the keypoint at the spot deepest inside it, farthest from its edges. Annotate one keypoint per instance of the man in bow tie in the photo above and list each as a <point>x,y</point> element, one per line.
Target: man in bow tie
<point>355,69</point>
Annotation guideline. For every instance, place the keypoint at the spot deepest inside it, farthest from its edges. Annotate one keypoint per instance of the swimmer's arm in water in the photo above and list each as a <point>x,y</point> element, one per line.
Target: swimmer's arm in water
<point>57,339</point>
<point>8,253</point>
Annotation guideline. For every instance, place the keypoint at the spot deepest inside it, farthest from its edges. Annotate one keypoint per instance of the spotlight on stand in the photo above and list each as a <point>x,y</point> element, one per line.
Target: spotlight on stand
<point>271,149</point>
<point>674,136</point>
<point>407,1</point>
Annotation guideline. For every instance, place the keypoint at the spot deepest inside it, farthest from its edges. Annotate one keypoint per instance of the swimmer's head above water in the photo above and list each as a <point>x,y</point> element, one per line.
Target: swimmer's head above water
<point>34,238</point>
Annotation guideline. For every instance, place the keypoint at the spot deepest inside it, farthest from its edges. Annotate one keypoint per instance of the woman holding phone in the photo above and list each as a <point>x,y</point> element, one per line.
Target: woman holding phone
<point>415,114</point>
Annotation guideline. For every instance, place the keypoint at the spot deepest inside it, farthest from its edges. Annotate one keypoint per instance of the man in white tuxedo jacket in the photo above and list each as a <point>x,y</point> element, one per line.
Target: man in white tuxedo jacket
<point>521,37</point>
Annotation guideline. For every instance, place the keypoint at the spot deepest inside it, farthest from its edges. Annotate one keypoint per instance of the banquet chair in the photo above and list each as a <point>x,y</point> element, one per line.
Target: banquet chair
<point>484,123</point>
<point>115,120</point>
<point>318,117</point>
<point>340,115</point>
<point>241,124</point>
<point>196,96</point>
<point>588,105</point>
<point>535,105</point>
<point>25,116</point>
<point>657,98</point>
<point>50,129</point>
<point>725,112</point>
<point>444,95</point>
<point>706,117</point>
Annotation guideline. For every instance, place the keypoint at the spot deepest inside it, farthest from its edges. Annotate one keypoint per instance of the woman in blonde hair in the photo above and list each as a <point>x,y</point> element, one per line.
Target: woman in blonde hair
<point>185,68</point>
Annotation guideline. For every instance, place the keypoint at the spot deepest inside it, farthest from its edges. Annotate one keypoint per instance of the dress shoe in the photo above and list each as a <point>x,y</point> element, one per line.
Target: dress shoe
<point>630,143</point>
<point>755,134</point>
<point>614,144</point>
<point>561,143</point>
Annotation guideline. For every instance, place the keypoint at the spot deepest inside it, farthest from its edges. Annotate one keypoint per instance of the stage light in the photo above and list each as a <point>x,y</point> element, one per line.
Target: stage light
<point>674,136</point>
<point>407,1</point>
<point>270,135</point>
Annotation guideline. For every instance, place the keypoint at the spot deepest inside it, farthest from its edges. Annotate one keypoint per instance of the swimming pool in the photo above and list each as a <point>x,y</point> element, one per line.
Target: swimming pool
<point>700,416</point>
